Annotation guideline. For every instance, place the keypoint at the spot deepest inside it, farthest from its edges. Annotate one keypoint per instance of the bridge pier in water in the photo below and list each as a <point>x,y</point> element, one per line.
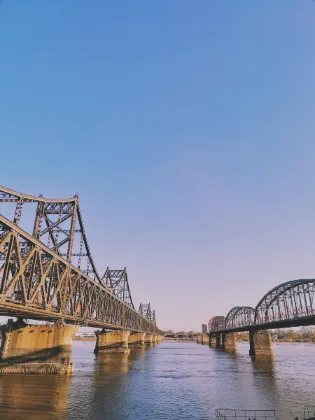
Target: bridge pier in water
<point>260,344</point>
<point>36,348</point>
<point>212,341</point>
<point>111,342</point>
<point>218,341</point>
<point>148,340</point>
<point>136,340</point>
<point>199,339</point>
<point>205,339</point>
<point>229,342</point>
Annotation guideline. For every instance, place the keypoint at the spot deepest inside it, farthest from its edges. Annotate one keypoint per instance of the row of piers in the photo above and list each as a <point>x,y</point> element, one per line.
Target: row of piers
<point>48,348</point>
<point>260,343</point>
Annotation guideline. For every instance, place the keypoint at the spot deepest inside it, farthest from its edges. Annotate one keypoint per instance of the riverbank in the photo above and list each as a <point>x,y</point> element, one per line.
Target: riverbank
<point>84,338</point>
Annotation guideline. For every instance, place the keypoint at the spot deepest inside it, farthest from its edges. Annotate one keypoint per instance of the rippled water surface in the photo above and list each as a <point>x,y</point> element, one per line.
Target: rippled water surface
<point>169,381</point>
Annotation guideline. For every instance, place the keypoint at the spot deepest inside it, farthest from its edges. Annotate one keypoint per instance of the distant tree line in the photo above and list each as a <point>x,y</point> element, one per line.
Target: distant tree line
<point>302,335</point>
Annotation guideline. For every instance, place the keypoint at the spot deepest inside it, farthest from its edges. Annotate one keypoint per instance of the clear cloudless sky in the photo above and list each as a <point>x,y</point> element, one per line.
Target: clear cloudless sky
<point>186,127</point>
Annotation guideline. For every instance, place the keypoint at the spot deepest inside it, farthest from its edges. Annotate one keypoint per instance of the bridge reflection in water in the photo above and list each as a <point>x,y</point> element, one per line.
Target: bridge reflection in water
<point>34,397</point>
<point>49,397</point>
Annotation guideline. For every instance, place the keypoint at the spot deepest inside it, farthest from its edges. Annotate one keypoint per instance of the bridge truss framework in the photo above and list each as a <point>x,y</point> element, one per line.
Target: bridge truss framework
<point>289,304</point>
<point>49,273</point>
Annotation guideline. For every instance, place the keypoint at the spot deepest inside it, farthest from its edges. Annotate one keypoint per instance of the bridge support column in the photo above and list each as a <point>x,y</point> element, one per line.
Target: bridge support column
<point>229,342</point>
<point>218,343</point>
<point>199,338</point>
<point>260,344</point>
<point>205,339</point>
<point>136,340</point>
<point>195,338</point>
<point>213,341</point>
<point>111,342</point>
<point>148,340</point>
<point>36,348</point>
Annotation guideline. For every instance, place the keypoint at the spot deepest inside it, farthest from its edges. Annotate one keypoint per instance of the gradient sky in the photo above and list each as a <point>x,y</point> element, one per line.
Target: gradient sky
<point>186,127</point>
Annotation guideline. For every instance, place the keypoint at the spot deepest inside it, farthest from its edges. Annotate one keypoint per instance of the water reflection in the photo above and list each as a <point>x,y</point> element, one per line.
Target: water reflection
<point>111,363</point>
<point>263,365</point>
<point>171,381</point>
<point>33,396</point>
<point>264,381</point>
<point>110,385</point>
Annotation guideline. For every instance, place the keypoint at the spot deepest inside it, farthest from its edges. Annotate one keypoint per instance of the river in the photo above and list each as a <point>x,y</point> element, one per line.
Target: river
<point>173,380</point>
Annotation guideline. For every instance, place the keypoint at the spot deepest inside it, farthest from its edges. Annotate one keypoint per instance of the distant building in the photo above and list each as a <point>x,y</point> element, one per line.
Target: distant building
<point>204,329</point>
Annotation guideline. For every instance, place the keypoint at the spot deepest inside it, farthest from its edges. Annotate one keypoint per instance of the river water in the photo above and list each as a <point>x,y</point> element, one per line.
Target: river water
<point>173,380</point>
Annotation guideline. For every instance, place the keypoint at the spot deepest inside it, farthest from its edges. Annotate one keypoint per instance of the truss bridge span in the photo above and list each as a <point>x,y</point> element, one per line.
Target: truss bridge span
<point>47,271</point>
<point>290,304</point>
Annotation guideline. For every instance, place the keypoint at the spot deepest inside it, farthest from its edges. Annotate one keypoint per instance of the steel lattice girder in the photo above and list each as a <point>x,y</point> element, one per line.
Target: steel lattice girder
<point>37,282</point>
<point>290,300</point>
<point>288,304</point>
<point>240,316</point>
<point>146,311</point>
<point>117,282</point>
<point>218,324</point>
<point>58,224</point>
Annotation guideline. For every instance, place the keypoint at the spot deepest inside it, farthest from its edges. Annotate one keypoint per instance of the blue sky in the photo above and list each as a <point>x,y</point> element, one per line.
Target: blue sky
<point>187,128</point>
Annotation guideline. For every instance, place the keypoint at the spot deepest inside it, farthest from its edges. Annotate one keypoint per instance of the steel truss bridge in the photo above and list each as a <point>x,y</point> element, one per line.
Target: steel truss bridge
<point>290,304</point>
<point>47,271</point>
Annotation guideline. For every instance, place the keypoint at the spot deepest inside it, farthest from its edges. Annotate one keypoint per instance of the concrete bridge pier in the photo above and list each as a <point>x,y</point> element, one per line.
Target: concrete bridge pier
<point>218,341</point>
<point>205,339</point>
<point>199,339</point>
<point>136,340</point>
<point>148,340</point>
<point>260,344</point>
<point>229,342</point>
<point>111,342</point>
<point>36,348</point>
<point>212,341</point>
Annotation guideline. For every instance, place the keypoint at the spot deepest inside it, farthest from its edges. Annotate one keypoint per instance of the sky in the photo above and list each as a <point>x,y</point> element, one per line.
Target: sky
<point>187,129</point>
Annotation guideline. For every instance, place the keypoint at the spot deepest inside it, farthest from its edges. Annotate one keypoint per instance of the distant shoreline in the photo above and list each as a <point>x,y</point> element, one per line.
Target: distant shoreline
<point>84,338</point>
<point>245,341</point>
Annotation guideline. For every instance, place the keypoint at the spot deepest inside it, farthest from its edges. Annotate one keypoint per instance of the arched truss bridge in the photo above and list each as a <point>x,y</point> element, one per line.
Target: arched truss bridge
<point>47,271</point>
<point>289,304</point>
